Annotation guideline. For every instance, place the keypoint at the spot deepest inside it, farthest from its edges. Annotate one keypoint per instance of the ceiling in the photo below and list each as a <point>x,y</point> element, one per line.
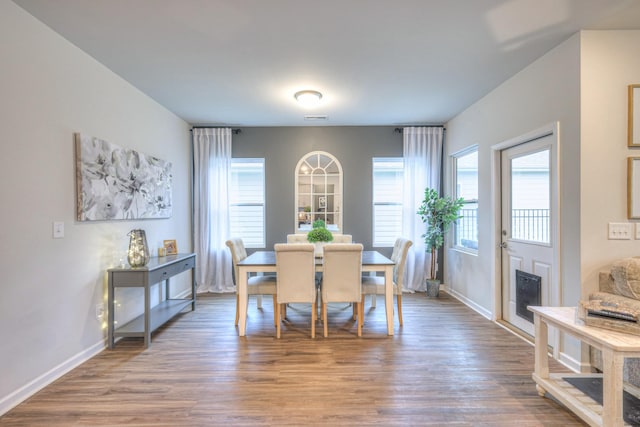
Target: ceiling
<point>377,62</point>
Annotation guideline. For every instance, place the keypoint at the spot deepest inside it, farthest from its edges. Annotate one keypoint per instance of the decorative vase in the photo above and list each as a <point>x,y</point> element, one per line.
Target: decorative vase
<point>138,254</point>
<point>433,287</point>
<point>319,249</point>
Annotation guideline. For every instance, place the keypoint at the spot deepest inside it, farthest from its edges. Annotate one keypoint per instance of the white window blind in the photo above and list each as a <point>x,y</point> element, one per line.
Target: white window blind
<point>246,201</point>
<point>387,200</point>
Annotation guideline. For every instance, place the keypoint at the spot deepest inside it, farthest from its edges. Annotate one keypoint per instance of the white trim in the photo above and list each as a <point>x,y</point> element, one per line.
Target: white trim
<point>469,303</point>
<point>570,362</point>
<point>23,393</point>
<point>551,129</point>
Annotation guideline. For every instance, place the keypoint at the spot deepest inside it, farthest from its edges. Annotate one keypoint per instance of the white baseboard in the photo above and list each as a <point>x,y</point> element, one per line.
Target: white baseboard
<point>12,400</point>
<point>573,364</point>
<point>472,305</point>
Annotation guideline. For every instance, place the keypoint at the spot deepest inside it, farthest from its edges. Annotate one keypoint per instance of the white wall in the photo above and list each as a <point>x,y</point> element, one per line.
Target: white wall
<point>49,288</point>
<point>610,62</point>
<point>545,92</point>
<point>582,84</point>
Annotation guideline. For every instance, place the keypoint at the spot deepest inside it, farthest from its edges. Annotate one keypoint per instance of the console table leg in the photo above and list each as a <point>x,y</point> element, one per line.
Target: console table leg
<point>147,317</point>
<point>612,388</point>
<point>111,307</point>
<point>542,338</point>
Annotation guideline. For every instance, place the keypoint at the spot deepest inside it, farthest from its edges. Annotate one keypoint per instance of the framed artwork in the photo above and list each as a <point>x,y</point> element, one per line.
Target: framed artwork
<point>115,183</point>
<point>633,187</point>
<point>634,116</point>
<point>171,247</point>
<point>322,202</point>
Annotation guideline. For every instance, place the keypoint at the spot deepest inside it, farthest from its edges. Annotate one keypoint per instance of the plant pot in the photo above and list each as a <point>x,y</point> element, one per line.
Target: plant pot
<point>433,287</point>
<point>319,249</point>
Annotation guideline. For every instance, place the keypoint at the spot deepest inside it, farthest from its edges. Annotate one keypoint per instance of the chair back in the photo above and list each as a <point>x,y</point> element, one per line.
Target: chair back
<point>238,253</point>
<point>302,238</point>
<point>342,238</point>
<point>342,273</point>
<point>399,256</point>
<point>295,272</point>
<point>297,238</point>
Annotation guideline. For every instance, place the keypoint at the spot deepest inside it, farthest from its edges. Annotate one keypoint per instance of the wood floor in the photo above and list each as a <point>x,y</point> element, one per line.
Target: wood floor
<point>447,366</point>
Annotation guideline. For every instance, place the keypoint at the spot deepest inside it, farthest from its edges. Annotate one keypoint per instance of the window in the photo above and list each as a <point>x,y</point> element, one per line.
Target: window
<point>387,200</point>
<point>246,201</point>
<point>465,165</point>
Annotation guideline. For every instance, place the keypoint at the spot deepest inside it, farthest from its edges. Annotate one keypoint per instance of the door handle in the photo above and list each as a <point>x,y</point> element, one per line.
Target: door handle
<point>503,245</point>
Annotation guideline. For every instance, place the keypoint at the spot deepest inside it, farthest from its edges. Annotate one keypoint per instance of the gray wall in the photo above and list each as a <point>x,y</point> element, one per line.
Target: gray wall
<point>283,147</point>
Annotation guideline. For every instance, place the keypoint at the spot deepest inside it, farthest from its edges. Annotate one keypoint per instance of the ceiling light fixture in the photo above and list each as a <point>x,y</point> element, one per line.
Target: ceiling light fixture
<point>308,97</point>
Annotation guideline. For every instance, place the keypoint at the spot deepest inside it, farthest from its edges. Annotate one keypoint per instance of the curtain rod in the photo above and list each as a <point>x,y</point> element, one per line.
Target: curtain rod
<point>233,131</point>
<point>399,130</point>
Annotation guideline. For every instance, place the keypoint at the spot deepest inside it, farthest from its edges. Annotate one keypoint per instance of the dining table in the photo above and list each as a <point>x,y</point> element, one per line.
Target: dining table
<point>265,262</point>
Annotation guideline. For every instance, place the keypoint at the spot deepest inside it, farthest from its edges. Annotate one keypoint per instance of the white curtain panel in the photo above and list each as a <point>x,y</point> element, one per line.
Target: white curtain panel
<point>212,160</point>
<point>422,169</point>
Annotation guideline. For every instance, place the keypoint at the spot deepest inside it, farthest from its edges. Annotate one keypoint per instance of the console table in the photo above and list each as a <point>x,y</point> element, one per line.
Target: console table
<point>157,270</point>
<point>615,346</point>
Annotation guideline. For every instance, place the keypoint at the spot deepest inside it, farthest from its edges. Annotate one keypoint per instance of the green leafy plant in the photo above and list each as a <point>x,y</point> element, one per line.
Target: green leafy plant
<point>319,223</point>
<point>439,213</point>
<point>319,233</point>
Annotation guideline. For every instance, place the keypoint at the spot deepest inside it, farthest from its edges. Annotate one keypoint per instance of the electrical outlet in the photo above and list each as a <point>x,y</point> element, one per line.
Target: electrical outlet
<point>99,311</point>
<point>638,230</point>
<point>620,230</point>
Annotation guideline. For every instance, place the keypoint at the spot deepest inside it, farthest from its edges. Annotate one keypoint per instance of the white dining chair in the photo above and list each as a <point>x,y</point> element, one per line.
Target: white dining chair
<point>342,278</point>
<point>295,279</point>
<point>374,285</point>
<point>256,285</point>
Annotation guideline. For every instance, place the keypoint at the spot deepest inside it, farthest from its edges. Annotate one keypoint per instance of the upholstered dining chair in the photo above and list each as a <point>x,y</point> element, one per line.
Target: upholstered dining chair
<point>302,238</point>
<point>295,279</point>
<point>256,285</point>
<point>342,278</point>
<point>374,285</point>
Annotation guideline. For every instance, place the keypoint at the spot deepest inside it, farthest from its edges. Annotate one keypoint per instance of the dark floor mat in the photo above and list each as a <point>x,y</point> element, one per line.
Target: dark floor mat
<point>592,387</point>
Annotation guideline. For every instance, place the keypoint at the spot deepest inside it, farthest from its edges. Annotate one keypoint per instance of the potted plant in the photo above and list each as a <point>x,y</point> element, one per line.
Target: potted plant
<point>438,213</point>
<point>319,235</point>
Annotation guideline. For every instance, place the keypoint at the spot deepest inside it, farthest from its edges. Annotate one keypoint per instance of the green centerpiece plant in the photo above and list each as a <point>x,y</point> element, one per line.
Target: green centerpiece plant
<point>438,213</point>
<point>319,233</point>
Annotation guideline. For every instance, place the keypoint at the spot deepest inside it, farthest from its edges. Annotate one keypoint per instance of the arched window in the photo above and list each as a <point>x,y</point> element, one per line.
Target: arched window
<point>318,191</point>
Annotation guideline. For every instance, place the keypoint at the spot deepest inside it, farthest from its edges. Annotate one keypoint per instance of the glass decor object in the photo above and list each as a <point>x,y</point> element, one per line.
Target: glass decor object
<point>138,254</point>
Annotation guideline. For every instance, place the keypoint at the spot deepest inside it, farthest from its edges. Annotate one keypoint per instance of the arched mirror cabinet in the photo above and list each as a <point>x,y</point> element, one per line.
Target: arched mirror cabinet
<point>318,185</point>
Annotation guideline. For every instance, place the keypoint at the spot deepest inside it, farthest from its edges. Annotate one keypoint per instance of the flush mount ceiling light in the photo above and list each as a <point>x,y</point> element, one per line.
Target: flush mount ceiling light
<point>308,97</point>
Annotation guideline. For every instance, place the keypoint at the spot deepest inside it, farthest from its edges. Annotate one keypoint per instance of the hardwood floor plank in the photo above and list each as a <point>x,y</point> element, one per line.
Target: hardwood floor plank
<point>447,366</point>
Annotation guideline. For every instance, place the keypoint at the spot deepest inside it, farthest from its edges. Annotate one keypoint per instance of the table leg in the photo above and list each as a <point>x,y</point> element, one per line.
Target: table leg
<point>242,301</point>
<point>147,316</point>
<point>111,307</point>
<point>388,297</point>
<point>541,365</point>
<point>612,388</point>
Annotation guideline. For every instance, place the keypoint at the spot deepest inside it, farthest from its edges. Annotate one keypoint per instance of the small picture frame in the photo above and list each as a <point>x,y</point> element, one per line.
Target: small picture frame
<point>322,202</point>
<point>634,116</point>
<point>171,246</point>
<point>633,187</point>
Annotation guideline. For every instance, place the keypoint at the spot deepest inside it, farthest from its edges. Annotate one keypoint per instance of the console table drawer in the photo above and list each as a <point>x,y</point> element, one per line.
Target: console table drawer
<point>165,272</point>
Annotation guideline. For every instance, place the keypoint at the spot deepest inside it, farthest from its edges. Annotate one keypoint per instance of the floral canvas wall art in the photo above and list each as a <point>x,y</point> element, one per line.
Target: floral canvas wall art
<point>117,183</point>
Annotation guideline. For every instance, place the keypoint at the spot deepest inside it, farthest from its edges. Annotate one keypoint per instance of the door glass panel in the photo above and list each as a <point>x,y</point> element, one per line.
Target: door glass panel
<point>530,198</point>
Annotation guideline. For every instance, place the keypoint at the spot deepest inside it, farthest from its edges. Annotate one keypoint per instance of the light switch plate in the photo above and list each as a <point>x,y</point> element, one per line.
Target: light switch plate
<point>638,230</point>
<point>620,230</point>
<point>58,230</point>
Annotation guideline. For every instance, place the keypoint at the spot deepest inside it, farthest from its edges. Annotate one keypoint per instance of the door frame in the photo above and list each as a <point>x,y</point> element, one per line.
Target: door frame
<point>553,130</point>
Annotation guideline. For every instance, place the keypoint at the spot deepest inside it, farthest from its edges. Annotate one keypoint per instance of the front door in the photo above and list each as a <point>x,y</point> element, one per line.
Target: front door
<point>528,223</point>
